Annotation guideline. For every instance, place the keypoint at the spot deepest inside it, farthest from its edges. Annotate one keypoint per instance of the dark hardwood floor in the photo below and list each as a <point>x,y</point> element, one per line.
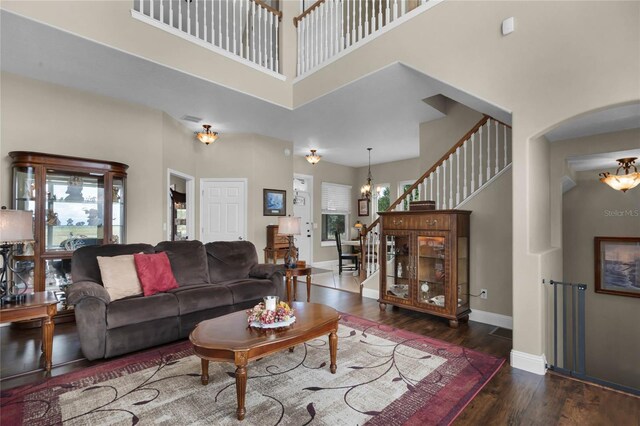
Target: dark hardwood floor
<point>511,397</point>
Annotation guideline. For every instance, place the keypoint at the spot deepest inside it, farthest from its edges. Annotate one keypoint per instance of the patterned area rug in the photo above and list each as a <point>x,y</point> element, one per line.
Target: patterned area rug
<point>385,376</point>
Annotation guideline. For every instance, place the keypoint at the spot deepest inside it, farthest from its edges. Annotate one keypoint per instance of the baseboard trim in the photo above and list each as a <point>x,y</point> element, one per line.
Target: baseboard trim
<point>370,293</point>
<point>491,318</point>
<point>535,364</point>
<point>326,264</point>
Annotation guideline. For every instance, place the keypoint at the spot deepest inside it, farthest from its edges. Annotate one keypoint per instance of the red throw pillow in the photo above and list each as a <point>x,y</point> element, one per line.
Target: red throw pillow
<point>154,273</point>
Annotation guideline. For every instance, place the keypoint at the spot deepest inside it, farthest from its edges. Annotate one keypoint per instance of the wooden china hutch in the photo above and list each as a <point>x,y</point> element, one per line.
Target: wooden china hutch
<point>75,202</point>
<point>424,263</point>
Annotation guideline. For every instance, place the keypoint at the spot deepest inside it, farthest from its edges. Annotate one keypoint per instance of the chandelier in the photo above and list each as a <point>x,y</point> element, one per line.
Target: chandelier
<point>207,136</point>
<point>313,158</point>
<point>627,180</point>
<point>365,190</point>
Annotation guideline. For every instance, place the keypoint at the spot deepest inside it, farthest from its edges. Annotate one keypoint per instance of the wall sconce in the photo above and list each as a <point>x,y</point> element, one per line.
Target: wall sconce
<point>207,136</point>
<point>313,158</point>
<point>627,180</point>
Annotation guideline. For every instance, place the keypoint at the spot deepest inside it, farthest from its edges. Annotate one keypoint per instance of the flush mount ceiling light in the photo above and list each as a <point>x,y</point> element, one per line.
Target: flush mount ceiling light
<point>627,180</point>
<point>313,158</point>
<point>207,136</point>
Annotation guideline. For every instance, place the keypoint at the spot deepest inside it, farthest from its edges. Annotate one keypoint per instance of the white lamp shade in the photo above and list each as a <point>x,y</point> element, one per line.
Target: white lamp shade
<point>16,226</point>
<point>289,225</point>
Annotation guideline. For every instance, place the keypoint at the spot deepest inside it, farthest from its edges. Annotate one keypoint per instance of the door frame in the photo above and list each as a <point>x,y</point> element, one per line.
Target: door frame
<point>191,207</point>
<point>313,219</point>
<point>245,181</point>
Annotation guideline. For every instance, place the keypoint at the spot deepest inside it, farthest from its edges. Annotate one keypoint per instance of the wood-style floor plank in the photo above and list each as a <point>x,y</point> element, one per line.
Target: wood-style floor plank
<point>512,397</point>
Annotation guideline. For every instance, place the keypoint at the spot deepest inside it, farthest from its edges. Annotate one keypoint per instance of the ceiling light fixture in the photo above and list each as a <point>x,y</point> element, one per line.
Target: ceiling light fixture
<point>627,180</point>
<point>207,136</point>
<point>313,158</point>
<point>365,190</point>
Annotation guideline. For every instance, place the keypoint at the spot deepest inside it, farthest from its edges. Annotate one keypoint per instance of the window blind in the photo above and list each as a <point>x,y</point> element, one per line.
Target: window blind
<point>336,198</point>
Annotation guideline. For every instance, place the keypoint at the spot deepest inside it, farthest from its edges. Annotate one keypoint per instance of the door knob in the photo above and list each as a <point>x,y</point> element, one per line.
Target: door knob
<point>241,239</point>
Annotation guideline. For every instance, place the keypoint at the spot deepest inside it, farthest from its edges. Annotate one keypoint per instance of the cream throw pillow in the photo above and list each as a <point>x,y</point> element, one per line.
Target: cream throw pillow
<point>119,276</point>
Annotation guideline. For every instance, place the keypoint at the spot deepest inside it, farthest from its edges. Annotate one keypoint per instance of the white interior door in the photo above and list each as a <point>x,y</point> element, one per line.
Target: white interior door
<point>302,209</point>
<point>223,210</point>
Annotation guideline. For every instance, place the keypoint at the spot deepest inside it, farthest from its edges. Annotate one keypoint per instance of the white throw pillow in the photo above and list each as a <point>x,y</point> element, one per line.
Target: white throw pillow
<point>119,276</point>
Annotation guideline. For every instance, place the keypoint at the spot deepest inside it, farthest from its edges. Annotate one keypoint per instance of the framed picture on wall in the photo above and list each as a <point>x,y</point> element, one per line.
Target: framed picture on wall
<point>274,202</point>
<point>617,264</point>
<point>363,207</point>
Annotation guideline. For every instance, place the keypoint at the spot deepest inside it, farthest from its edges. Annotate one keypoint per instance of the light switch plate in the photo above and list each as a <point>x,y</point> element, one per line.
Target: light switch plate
<point>508,26</point>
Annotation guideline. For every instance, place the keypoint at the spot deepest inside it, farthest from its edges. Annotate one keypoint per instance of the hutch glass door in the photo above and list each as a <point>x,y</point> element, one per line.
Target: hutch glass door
<point>398,267</point>
<point>432,271</point>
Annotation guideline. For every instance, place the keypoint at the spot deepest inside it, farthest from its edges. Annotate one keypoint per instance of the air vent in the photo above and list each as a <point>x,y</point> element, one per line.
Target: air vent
<point>191,118</point>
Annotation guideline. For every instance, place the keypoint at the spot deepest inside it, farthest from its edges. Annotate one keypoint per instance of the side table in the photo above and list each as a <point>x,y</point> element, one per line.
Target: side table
<point>295,273</point>
<point>39,305</point>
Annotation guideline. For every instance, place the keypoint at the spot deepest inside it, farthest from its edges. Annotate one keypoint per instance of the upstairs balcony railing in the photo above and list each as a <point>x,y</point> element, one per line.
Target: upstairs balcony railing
<point>329,27</point>
<point>245,30</point>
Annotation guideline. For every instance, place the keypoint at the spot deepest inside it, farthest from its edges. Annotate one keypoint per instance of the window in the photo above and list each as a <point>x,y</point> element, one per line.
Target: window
<point>336,208</point>
<point>382,199</point>
<point>415,195</point>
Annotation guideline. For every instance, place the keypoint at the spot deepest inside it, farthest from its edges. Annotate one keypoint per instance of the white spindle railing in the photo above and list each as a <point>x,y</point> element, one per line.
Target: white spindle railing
<point>330,26</point>
<point>450,188</point>
<point>246,29</point>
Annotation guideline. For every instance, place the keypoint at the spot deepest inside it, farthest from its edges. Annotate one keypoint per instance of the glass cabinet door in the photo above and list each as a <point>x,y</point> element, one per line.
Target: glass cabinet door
<point>432,271</point>
<point>74,210</point>
<point>117,211</point>
<point>398,268</point>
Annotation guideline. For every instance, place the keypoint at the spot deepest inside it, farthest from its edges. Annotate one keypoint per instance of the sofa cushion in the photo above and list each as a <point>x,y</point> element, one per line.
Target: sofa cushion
<point>250,289</point>
<point>188,261</point>
<point>84,262</point>
<point>135,310</point>
<point>200,297</point>
<point>230,260</point>
<point>154,272</point>
<point>119,276</point>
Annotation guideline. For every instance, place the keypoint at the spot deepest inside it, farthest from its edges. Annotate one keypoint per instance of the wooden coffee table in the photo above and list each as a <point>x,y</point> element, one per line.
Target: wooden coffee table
<point>229,339</point>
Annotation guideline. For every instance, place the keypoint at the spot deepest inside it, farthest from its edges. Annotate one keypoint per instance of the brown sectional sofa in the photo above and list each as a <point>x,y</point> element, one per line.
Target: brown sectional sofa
<point>214,279</point>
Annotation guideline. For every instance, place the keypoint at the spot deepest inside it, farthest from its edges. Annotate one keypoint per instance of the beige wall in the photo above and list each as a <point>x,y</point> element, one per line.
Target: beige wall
<point>438,136</point>
<point>508,72</point>
<point>612,330</point>
<point>332,173</point>
<point>491,246</point>
<point>149,141</point>
<point>84,125</point>
<point>262,161</point>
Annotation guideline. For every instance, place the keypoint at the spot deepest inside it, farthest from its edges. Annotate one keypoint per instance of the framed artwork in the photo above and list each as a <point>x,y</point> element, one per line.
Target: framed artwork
<point>363,207</point>
<point>617,264</point>
<point>274,202</point>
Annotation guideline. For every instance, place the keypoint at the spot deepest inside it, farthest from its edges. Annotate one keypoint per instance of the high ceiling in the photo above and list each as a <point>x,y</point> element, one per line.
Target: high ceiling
<point>382,110</point>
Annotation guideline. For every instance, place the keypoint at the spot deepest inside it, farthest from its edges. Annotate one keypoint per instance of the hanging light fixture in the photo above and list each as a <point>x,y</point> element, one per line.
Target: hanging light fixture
<point>207,136</point>
<point>627,180</point>
<point>313,158</point>
<point>365,190</point>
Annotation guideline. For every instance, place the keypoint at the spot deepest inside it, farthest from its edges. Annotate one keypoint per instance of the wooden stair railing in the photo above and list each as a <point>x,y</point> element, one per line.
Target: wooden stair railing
<point>369,234</point>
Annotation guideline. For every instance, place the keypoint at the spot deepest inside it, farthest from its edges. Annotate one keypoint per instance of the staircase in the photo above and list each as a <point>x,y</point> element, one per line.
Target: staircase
<point>475,161</point>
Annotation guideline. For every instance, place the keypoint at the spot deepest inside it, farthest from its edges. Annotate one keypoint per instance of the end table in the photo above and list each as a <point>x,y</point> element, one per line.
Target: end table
<point>295,273</point>
<point>41,304</point>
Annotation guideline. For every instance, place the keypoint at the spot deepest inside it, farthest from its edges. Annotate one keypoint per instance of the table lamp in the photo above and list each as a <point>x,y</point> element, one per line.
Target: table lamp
<point>289,226</point>
<point>16,227</point>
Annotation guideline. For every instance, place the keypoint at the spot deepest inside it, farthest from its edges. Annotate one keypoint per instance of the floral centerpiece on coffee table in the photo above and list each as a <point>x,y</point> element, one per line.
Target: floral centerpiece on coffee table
<point>259,316</point>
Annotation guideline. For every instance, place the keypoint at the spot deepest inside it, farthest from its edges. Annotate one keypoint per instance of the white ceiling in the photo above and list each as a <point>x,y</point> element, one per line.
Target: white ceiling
<point>604,121</point>
<point>602,162</point>
<point>382,110</point>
